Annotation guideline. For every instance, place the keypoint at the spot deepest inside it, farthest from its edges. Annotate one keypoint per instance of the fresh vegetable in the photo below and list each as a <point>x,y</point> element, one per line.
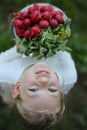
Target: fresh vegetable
<point>27,22</point>
<point>27,34</point>
<point>44,24</point>
<point>42,30</point>
<point>35,31</point>
<point>53,23</point>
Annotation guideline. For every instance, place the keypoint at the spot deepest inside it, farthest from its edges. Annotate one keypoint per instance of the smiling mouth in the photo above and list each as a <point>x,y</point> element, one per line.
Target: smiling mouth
<point>42,72</point>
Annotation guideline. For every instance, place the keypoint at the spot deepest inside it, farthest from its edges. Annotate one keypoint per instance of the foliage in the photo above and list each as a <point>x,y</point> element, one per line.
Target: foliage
<point>47,43</point>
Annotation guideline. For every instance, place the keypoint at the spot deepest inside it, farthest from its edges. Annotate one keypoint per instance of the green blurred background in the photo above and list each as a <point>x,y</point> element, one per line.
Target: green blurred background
<point>75,116</point>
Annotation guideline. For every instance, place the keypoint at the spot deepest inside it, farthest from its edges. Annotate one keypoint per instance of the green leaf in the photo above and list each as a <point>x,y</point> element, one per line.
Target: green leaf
<point>17,41</point>
<point>68,31</point>
<point>22,49</point>
<point>49,45</point>
<point>23,42</point>
<point>67,27</point>
<point>50,53</point>
<point>39,57</point>
<point>68,49</point>
<point>35,54</point>
<point>57,28</point>
<point>42,50</point>
<point>62,47</point>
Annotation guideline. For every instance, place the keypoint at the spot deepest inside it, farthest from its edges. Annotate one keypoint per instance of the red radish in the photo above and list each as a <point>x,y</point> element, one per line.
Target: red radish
<point>31,10</point>
<point>19,31</point>
<point>46,8</point>
<point>27,22</point>
<point>60,13</point>
<point>59,17</point>
<point>50,8</point>
<point>18,23</point>
<point>54,13</point>
<point>19,14</point>
<point>27,34</point>
<point>25,14</point>
<point>35,31</point>
<point>46,15</point>
<point>35,16</point>
<point>53,23</point>
<point>37,6</point>
<point>44,24</point>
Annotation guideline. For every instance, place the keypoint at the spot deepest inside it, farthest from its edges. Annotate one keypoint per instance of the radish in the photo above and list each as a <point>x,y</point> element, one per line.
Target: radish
<point>31,10</point>
<point>37,7</point>
<point>50,8</point>
<point>35,16</point>
<point>46,15</point>
<point>59,17</point>
<point>25,14</point>
<point>60,13</point>
<point>53,23</point>
<point>20,31</point>
<point>27,22</point>
<point>19,14</point>
<point>46,8</point>
<point>35,31</point>
<point>18,23</point>
<point>54,13</point>
<point>44,24</point>
<point>27,34</point>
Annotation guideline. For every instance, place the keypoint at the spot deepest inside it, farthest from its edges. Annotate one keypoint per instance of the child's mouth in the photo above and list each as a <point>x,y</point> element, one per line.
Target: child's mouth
<point>43,72</point>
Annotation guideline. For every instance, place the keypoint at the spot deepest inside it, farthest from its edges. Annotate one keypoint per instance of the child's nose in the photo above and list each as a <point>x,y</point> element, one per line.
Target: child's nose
<point>43,80</point>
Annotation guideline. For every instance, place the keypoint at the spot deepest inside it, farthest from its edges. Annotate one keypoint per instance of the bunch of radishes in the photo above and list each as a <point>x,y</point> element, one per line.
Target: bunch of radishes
<point>29,24</point>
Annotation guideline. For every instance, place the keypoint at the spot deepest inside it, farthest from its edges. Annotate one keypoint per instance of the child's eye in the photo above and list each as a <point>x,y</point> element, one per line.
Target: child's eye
<point>33,89</point>
<point>52,90</point>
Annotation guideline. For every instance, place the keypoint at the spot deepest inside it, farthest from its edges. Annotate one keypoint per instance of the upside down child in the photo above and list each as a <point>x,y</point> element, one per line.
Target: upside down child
<point>36,87</point>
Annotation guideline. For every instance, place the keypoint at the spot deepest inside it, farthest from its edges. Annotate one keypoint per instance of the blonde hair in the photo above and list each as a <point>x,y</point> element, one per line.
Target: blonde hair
<point>40,120</point>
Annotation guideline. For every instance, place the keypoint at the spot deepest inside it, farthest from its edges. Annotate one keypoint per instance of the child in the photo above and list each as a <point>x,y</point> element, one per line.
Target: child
<point>36,87</point>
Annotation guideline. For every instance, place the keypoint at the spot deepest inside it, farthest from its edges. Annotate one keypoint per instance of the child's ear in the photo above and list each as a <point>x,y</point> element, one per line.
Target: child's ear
<point>15,92</point>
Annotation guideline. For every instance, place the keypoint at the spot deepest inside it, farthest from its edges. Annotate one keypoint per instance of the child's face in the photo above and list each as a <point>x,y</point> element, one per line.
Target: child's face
<point>40,88</point>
